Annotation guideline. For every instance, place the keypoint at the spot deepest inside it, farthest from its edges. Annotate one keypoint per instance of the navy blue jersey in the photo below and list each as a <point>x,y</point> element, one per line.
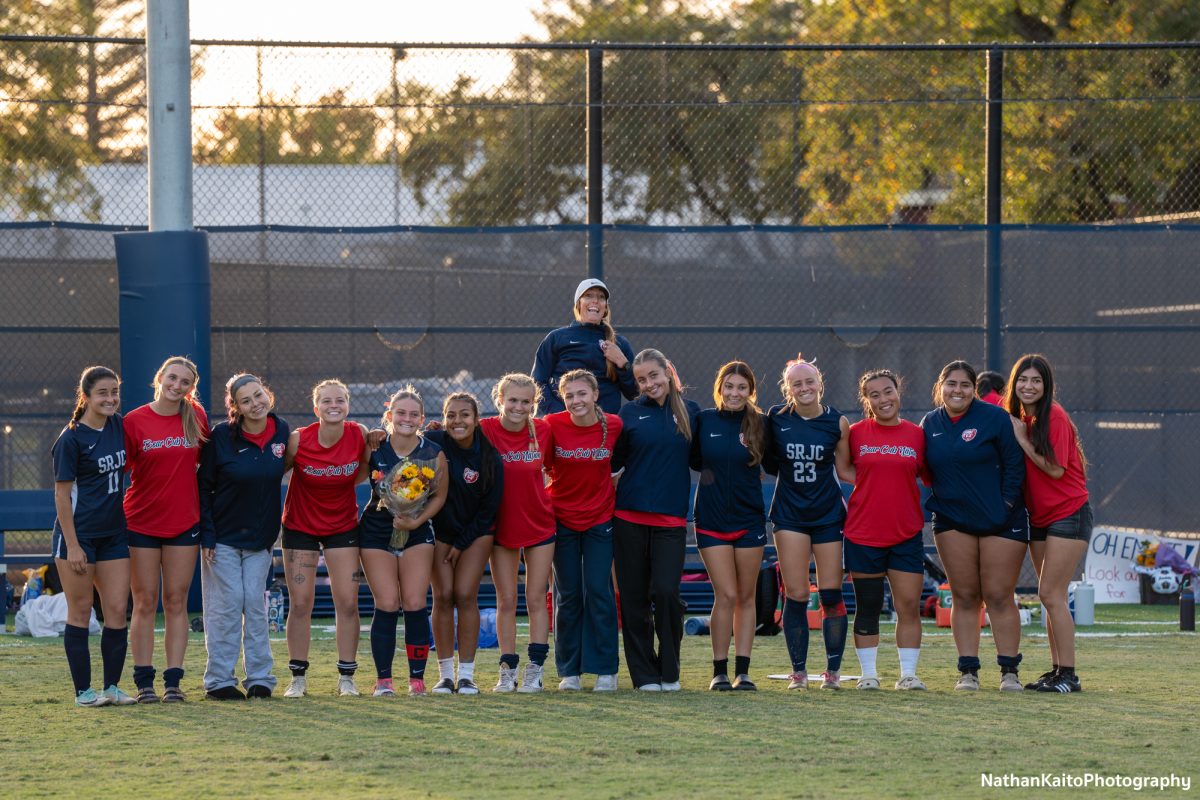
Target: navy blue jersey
<point>577,346</point>
<point>375,521</point>
<point>801,452</point>
<point>95,461</point>
<point>241,491</point>
<point>976,465</point>
<point>729,497</point>
<point>471,507</point>
<point>655,456</point>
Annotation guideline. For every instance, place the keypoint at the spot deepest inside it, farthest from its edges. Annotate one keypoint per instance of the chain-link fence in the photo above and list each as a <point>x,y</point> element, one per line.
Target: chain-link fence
<point>388,213</point>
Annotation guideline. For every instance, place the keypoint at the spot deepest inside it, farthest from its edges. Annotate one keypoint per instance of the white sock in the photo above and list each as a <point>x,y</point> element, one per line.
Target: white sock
<point>908,660</point>
<point>866,660</point>
<point>446,668</point>
<point>466,670</point>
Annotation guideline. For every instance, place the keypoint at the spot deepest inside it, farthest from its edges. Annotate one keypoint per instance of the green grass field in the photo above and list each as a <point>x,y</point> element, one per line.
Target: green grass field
<point>1136,717</point>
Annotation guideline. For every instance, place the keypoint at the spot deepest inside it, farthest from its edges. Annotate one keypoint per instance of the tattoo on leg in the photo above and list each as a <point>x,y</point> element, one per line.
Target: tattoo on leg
<point>298,578</point>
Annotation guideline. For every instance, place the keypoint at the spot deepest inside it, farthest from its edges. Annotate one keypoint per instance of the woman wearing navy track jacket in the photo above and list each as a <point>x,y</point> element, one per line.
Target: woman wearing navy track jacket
<point>977,468</point>
<point>727,450</point>
<point>241,467</point>
<point>588,343</point>
<point>650,525</point>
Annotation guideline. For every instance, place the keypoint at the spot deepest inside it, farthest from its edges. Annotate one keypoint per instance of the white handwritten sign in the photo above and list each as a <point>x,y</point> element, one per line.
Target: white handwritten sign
<point>1110,555</point>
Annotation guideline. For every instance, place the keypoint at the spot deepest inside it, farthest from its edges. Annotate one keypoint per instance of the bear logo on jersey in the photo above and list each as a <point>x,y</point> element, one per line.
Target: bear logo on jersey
<point>969,434</point>
<point>277,449</point>
<point>470,475</point>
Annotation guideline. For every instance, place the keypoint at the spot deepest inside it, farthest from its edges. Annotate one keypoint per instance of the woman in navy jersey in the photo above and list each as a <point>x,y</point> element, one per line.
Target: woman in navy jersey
<point>90,539</point>
<point>581,491</point>
<point>727,450</point>
<point>1060,514</point>
<point>980,527</point>
<point>401,579</point>
<point>884,524</point>
<point>162,509</point>
<point>241,468</point>
<point>328,458</point>
<point>464,530</point>
<point>650,521</point>
<point>588,343</point>
<point>807,513</point>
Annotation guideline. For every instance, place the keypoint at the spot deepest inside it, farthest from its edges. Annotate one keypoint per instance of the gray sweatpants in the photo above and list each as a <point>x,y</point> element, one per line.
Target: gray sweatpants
<point>235,617</point>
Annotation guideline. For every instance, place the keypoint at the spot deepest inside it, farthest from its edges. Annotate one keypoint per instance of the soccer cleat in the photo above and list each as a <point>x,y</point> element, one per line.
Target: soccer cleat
<point>1045,676</point>
<point>1011,682</point>
<point>650,687</point>
<point>508,680</point>
<point>798,680</point>
<point>147,695</point>
<point>532,682</point>
<point>607,683</point>
<point>467,686</point>
<point>720,683</point>
<point>742,683</point>
<point>671,686</point>
<point>910,683</point>
<point>1065,684</point>
<point>346,687</point>
<point>967,682</point>
<point>173,694</point>
<point>867,684</point>
<point>90,698</point>
<point>416,687</point>
<point>116,697</point>
<point>298,687</point>
<point>831,680</point>
<point>569,684</point>
<point>444,686</point>
<point>384,688</point>
<point>259,691</point>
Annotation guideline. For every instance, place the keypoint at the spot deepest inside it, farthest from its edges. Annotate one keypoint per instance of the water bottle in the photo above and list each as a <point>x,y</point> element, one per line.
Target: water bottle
<point>275,615</point>
<point>1085,604</point>
<point>696,626</point>
<point>1187,607</point>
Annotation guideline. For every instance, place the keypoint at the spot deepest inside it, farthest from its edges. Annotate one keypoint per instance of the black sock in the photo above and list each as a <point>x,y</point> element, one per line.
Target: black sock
<point>538,652</point>
<point>172,677</point>
<point>75,642</point>
<point>1009,663</point>
<point>114,644</point>
<point>383,641</point>
<point>968,664</point>
<point>834,625</point>
<point>720,666</point>
<point>510,660</point>
<point>795,633</point>
<point>143,677</point>
<point>297,667</point>
<point>416,642</point>
<point>347,667</point>
<point>741,665</point>
<point>1066,672</point>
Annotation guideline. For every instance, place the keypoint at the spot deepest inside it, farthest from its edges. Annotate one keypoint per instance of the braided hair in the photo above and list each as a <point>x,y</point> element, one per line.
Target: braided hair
<point>87,381</point>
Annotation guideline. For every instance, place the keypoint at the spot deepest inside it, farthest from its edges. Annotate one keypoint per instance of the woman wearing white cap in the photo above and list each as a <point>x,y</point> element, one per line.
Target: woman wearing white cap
<point>588,343</point>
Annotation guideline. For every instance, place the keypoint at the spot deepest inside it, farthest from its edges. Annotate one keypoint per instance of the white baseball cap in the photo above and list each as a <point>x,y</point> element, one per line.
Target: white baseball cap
<point>590,283</point>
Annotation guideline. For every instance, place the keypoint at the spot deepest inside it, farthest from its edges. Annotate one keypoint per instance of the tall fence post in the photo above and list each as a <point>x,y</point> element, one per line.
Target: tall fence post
<point>994,344</point>
<point>595,162</point>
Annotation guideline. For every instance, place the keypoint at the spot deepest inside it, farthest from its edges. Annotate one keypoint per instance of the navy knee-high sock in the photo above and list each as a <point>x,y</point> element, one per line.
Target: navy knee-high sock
<point>795,633</point>
<point>75,642</point>
<point>114,643</point>
<point>416,642</point>
<point>383,641</point>
<point>833,628</point>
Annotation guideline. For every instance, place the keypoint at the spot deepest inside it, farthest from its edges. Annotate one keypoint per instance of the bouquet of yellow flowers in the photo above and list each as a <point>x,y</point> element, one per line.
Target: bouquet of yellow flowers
<point>404,490</point>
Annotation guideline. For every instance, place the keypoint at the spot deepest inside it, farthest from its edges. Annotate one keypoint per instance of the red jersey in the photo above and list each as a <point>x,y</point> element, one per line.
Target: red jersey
<point>320,498</point>
<point>1051,499</point>
<point>649,518</point>
<point>526,516</point>
<point>261,439</point>
<point>885,506</point>
<point>163,499</point>
<point>995,398</point>
<point>580,468</point>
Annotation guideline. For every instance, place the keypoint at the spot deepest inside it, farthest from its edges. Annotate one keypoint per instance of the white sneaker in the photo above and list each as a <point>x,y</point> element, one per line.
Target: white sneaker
<point>671,686</point>
<point>346,687</point>
<point>649,687</point>
<point>532,681</point>
<point>507,681</point>
<point>606,683</point>
<point>298,687</point>
<point>569,684</point>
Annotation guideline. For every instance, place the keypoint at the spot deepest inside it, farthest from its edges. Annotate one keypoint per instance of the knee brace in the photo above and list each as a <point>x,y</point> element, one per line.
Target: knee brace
<point>868,596</point>
<point>831,602</point>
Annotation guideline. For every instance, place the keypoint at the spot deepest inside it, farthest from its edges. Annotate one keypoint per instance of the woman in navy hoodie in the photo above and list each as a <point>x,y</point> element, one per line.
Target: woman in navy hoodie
<point>650,525</point>
<point>241,468</point>
<point>727,450</point>
<point>588,343</point>
<point>980,526</point>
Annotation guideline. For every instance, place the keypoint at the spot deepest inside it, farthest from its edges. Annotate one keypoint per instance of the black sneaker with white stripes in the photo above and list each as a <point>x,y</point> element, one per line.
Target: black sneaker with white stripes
<point>1063,683</point>
<point>1041,679</point>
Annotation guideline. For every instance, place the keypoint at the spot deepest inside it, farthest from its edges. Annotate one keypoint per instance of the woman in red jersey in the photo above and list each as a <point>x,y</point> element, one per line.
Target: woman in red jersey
<point>1060,514</point>
<point>581,490</point>
<point>883,525</point>
<point>328,458</point>
<point>162,509</point>
<point>525,525</point>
